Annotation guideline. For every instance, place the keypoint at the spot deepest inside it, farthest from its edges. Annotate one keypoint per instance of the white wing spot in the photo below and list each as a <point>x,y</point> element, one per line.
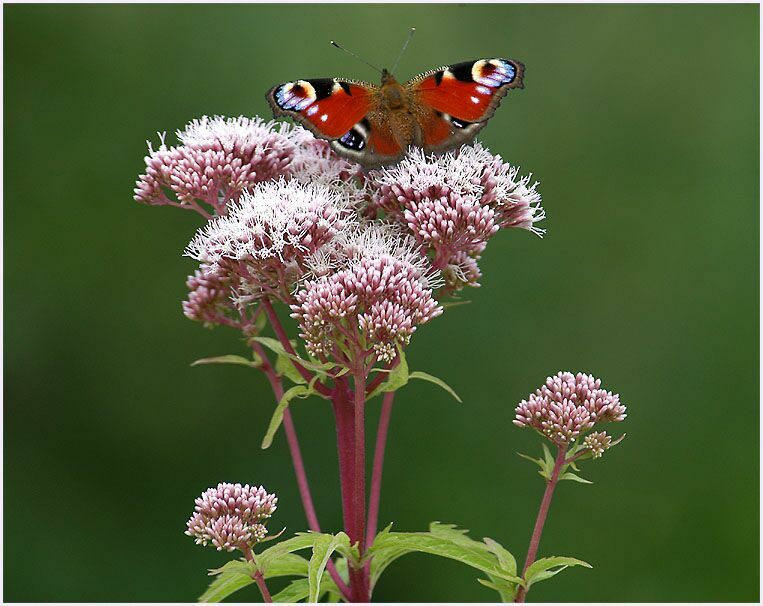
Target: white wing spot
<point>475,100</point>
<point>324,117</point>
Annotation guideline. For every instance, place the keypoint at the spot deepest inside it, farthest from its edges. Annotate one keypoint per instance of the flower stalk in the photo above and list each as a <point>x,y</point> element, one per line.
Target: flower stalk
<point>540,521</point>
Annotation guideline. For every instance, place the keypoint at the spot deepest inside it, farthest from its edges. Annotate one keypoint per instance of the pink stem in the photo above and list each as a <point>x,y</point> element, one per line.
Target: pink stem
<point>542,514</point>
<point>359,495</point>
<point>376,476</point>
<point>299,466</point>
<point>257,575</point>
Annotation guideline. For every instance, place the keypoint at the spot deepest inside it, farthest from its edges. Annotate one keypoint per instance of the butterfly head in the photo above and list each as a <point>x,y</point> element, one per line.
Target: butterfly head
<point>387,77</point>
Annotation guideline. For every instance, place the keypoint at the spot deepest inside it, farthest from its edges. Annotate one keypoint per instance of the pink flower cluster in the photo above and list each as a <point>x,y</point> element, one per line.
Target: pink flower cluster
<point>217,160</point>
<point>261,244</point>
<point>454,203</point>
<point>373,303</point>
<point>567,406</point>
<point>231,516</point>
<point>209,297</point>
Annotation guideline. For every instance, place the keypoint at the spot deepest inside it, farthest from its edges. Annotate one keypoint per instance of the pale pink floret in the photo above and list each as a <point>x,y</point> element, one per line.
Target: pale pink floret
<point>217,159</point>
<point>568,405</point>
<point>597,443</point>
<point>209,297</point>
<point>455,202</point>
<point>263,241</point>
<point>378,288</point>
<point>231,516</point>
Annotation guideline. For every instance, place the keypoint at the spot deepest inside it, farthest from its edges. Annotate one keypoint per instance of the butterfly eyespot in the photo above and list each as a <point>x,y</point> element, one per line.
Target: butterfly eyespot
<point>295,96</point>
<point>493,73</point>
<point>353,140</point>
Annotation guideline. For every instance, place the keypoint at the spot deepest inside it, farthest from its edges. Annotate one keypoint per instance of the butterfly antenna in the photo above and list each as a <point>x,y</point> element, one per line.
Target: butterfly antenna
<point>402,50</point>
<point>356,56</point>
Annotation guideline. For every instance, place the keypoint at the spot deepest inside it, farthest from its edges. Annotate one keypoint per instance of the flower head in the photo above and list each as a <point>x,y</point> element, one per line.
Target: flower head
<point>231,516</point>
<point>209,296</point>
<point>567,406</point>
<point>455,202</point>
<point>373,293</point>
<point>597,442</point>
<point>266,236</point>
<point>218,158</point>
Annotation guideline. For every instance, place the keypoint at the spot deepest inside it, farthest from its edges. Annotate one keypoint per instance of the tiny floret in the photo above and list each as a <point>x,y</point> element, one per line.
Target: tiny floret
<point>567,406</point>
<point>597,443</point>
<point>231,516</point>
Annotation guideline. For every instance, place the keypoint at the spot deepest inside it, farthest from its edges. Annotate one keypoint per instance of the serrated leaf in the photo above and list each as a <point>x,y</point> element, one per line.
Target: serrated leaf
<point>285,367</point>
<point>574,477</point>
<point>536,572</point>
<point>229,359</point>
<point>225,585</point>
<point>299,590</point>
<point>417,374</point>
<point>298,391</point>
<point>273,554</point>
<point>398,376</point>
<point>323,547</point>
<point>505,589</point>
<point>275,346</point>
<point>505,558</point>
<point>443,540</point>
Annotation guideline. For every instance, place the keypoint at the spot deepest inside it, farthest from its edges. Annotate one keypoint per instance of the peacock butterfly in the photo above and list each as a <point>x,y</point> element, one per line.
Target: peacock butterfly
<point>374,125</point>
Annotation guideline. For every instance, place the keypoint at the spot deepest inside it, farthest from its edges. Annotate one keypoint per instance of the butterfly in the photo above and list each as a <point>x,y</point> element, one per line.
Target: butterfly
<point>374,125</point>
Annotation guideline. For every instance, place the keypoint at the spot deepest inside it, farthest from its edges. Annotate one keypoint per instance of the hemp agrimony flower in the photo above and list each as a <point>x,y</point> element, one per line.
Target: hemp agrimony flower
<point>568,405</point>
<point>217,160</point>
<point>231,516</point>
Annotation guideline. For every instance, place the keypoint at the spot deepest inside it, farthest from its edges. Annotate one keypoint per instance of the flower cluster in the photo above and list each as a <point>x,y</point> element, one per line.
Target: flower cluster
<point>262,243</point>
<point>217,160</point>
<point>209,297</point>
<point>597,443</point>
<point>567,406</point>
<point>292,220</point>
<point>372,295</point>
<point>231,516</point>
<point>453,203</point>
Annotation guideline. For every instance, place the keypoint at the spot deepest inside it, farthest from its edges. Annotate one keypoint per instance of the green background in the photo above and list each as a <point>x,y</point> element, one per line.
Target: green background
<point>641,123</point>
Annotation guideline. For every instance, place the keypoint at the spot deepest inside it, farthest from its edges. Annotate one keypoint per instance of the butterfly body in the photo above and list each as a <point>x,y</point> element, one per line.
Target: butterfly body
<point>375,125</point>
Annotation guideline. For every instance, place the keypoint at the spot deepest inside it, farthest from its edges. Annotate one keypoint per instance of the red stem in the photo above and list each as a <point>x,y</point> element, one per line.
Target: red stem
<point>376,475</point>
<point>257,575</point>
<point>542,514</point>
<point>296,458</point>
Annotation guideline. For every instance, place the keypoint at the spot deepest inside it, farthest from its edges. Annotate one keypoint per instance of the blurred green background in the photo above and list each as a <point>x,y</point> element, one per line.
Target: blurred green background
<point>641,123</point>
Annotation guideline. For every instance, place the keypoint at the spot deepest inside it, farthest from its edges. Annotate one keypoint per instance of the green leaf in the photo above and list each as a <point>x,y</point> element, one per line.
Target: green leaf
<point>286,368</point>
<point>275,346</point>
<point>398,376</point>
<point>234,575</point>
<point>543,569</point>
<point>270,556</point>
<point>299,590</point>
<point>505,558</point>
<point>237,574</point>
<point>574,477</point>
<point>505,589</point>
<point>443,540</point>
<point>298,391</point>
<point>417,374</point>
<point>229,359</point>
<point>323,547</point>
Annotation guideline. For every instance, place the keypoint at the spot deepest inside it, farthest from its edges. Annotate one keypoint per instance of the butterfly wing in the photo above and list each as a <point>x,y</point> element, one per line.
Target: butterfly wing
<point>345,112</point>
<point>457,100</point>
<point>329,107</point>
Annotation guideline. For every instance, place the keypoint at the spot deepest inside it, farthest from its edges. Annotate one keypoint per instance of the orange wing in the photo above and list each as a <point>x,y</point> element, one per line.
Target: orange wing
<point>469,91</point>
<point>327,106</point>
